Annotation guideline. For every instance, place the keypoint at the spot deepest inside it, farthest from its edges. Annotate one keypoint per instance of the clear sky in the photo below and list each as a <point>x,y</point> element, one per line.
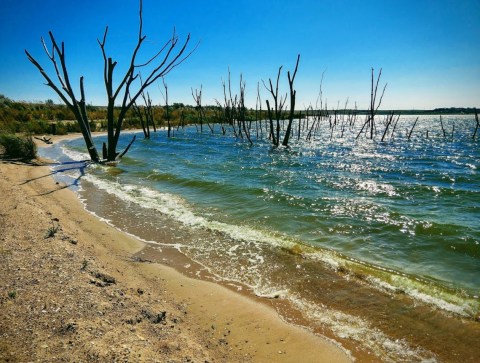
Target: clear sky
<point>429,49</point>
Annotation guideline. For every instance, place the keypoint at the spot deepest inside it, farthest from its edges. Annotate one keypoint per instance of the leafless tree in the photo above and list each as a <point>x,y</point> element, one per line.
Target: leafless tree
<point>166,115</point>
<point>476,126</point>
<point>197,97</point>
<point>146,114</point>
<point>374,105</point>
<point>127,91</point>
<point>443,129</point>
<point>293,94</point>
<point>411,130</point>
<point>242,112</point>
<point>275,112</point>
<point>258,111</point>
<point>389,121</point>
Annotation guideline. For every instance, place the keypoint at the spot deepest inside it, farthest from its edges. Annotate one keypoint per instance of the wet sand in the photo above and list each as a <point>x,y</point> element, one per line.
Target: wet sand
<point>75,288</point>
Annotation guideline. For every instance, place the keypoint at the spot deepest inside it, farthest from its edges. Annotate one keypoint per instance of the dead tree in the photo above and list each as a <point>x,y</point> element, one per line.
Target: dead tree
<point>392,135</point>
<point>44,139</point>
<point>146,114</point>
<point>411,130</point>
<point>372,111</point>
<point>127,91</point>
<point>443,129</point>
<point>258,111</point>
<point>220,115</point>
<point>166,115</point>
<point>197,97</point>
<point>276,111</point>
<point>390,119</point>
<point>65,91</point>
<point>242,111</point>
<point>293,94</point>
<point>476,126</point>
<point>230,105</point>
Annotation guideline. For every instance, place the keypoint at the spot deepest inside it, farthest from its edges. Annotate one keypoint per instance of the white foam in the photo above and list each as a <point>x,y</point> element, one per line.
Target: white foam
<point>179,210</point>
<point>73,154</point>
<point>348,326</point>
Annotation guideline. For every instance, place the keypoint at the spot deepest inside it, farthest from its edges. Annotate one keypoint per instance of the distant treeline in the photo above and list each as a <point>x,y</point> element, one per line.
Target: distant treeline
<point>48,117</point>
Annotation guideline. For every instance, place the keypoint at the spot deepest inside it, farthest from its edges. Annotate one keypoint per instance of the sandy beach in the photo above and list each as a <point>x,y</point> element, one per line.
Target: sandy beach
<point>74,289</point>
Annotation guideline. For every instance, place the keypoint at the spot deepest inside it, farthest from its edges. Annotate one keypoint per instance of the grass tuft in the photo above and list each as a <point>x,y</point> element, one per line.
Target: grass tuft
<point>51,231</point>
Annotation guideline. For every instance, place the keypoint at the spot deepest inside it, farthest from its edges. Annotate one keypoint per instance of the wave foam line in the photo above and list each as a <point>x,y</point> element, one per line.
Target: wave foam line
<point>176,208</point>
<point>351,327</point>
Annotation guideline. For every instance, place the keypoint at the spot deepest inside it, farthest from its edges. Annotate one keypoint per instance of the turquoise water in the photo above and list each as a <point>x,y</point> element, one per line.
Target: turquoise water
<point>402,215</point>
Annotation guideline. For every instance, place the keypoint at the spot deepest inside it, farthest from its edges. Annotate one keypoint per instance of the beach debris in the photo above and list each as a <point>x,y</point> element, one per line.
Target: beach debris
<point>140,259</point>
<point>44,139</point>
<point>69,327</point>
<point>73,241</point>
<point>154,318</point>
<point>105,280</point>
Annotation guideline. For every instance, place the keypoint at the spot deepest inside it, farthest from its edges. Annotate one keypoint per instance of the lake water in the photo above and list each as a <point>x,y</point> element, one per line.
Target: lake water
<point>374,244</point>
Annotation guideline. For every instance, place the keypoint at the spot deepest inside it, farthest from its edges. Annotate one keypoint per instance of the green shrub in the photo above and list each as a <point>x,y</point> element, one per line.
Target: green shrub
<point>19,147</point>
<point>37,127</point>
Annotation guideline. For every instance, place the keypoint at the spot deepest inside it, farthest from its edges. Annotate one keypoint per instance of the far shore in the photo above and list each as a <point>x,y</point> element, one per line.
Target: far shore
<point>73,288</point>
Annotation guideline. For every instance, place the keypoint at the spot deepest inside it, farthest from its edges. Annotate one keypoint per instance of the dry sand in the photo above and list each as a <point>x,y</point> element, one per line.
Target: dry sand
<point>72,290</point>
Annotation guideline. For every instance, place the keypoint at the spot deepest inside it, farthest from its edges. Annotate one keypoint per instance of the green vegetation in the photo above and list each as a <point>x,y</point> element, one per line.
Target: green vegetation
<point>51,231</point>
<point>49,118</point>
<point>84,265</point>
<point>18,147</point>
<point>12,294</point>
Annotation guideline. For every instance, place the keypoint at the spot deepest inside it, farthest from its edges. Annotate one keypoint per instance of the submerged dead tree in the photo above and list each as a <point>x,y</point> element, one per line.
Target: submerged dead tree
<point>411,130</point>
<point>275,112</point>
<point>65,91</point>
<point>197,97</point>
<point>125,93</point>
<point>476,126</point>
<point>166,115</point>
<point>242,112</point>
<point>146,114</point>
<point>390,119</point>
<point>293,95</point>
<point>374,105</point>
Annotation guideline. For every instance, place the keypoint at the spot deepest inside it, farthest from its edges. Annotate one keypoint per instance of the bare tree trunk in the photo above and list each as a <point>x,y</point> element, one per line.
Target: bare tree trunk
<point>293,94</point>
<point>443,129</point>
<point>389,122</point>
<point>163,65</point>
<point>139,113</point>
<point>242,111</point>
<point>476,126</point>
<point>414,124</point>
<point>278,104</point>
<point>167,114</point>
<point>197,97</point>
<point>66,92</point>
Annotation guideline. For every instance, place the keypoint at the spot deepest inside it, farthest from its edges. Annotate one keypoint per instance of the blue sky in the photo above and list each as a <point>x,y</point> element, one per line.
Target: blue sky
<point>429,50</point>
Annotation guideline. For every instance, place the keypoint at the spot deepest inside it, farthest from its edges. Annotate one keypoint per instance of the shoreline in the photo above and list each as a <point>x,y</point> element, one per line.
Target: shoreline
<point>203,320</point>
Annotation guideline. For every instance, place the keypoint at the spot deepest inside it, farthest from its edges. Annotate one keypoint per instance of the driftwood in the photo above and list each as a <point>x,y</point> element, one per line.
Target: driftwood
<point>44,139</point>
